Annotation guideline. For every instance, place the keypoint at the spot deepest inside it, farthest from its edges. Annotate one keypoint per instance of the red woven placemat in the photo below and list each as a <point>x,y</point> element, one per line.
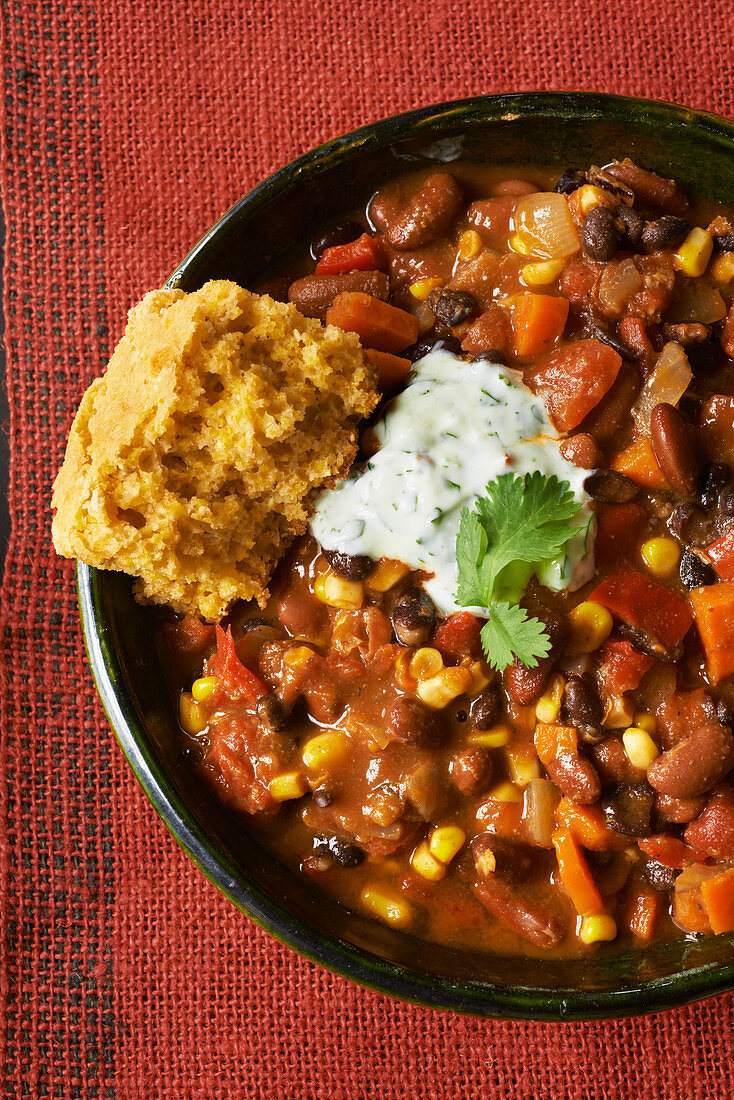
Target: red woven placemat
<point>128,129</point>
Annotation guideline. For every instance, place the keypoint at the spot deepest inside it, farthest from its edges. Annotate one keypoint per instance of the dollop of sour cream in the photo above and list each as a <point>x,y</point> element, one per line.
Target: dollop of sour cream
<point>455,427</point>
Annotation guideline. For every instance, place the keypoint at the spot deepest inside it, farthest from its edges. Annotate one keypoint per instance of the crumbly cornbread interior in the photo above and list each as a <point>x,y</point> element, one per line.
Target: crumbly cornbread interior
<point>193,461</point>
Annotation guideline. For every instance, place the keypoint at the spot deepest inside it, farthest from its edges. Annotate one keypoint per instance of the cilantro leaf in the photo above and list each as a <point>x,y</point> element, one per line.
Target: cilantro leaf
<point>521,522</point>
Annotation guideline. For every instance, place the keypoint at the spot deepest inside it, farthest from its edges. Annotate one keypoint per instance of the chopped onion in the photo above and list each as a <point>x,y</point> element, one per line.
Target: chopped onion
<point>617,285</point>
<point>544,224</point>
<point>667,383</point>
<point>541,799</point>
<point>696,302</point>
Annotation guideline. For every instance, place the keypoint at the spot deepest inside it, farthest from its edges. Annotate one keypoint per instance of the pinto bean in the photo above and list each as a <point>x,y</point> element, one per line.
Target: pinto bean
<point>695,572</point>
<point>695,764</point>
<point>530,920</point>
<point>633,223</point>
<point>576,777</point>
<point>678,810</point>
<point>600,234</point>
<point>514,187</point>
<point>672,447</point>
<point>302,614</point>
<point>270,713</point>
<point>582,450</point>
<point>665,232</point>
<point>411,723</point>
<point>451,307</point>
<point>713,832</point>
<point>427,215</point>
<point>689,335</point>
<point>581,703</point>
<point>659,876</point>
<point>313,295</point>
<point>413,616</point>
<point>471,770</point>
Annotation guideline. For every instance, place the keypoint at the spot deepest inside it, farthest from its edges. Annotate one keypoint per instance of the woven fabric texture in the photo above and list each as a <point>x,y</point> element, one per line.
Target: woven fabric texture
<point>128,128</point>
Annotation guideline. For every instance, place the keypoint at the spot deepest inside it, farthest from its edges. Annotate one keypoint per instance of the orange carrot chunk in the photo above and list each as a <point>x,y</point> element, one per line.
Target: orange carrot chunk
<point>575,874</point>
<point>643,912</point>
<point>393,369</point>
<point>378,325</point>
<point>588,826</point>
<point>713,606</point>
<point>638,463</point>
<point>538,321</point>
<point>718,898</point>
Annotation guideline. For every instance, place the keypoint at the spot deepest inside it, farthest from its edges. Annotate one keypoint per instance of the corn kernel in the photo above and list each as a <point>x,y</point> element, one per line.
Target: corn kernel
<point>597,927</point>
<point>549,704</point>
<point>387,907</point>
<point>440,690</point>
<point>523,765</point>
<point>506,792</point>
<point>202,688</point>
<point>425,663</point>
<point>426,864</point>
<point>661,556</point>
<point>694,254</point>
<point>288,785</point>
<point>542,273</point>
<point>496,738</point>
<point>722,269</point>
<point>446,841</point>
<point>589,196</point>
<point>470,245</point>
<point>325,749</point>
<point>423,288</point>
<point>480,677</point>
<point>645,721</point>
<point>297,656</point>
<point>338,592</point>
<point>640,748</point>
<point>620,713</point>
<point>190,714</point>
<point>386,575</point>
<point>590,625</point>
<point>518,244</point>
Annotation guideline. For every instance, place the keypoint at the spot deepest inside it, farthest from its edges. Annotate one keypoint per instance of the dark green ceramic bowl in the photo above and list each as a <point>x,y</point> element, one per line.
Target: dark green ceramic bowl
<point>561,129</point>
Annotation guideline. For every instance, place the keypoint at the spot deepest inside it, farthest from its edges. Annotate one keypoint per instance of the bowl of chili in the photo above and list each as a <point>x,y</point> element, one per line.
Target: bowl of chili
<point>264,240</point>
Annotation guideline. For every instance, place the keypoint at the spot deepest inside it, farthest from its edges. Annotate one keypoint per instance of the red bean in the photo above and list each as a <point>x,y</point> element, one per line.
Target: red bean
<point>514,187</point>
<point>576,777</point>
<point>471,770</point>
<point>513,861</point>
<point>411,723</point>
<point>523,684</point>
<point>671,444</point>
<point>695,764</point>
<point>313,295</point>
<point>301,613</point>
<point>713,832</point>
<point>427,215</point>
<point>612,763</point>
<point>678,810</point>
<point>527,918</point>
<point>582,450</point>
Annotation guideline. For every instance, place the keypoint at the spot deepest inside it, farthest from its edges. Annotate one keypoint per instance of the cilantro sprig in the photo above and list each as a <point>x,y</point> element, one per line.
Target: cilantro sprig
<point>520,524</point>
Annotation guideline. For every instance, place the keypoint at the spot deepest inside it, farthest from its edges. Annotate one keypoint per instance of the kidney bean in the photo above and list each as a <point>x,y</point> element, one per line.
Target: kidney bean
<point>611,487</point>
<point>649,188</point>
<point>726,502</point>
<point>633,223</point>
<point>487,707</point>
<point>678,810</point>
<point>413,616</point>
<point>581,703</point>
<point>713,832</point>
<point>429,343</point>
<point>628,809</point>
<point>612,763</point>
<point>695,764</point>
<point>301,613</point>
<point>523,684</point>
<point>660,877</point>
<point>671,444</point>
<point>353,567</point>
<point>665,232</point>
<point>491,217</point>
<point>427,215</point>
<point>471,770</point>
<point>323,797</point>
<point>576,777</point>
<point>530,920</point>
<point>514,861</point>
<point>276,288</point>
<point>694,572</point>
<point>600,235</point>
<point>340,233</point>
<point>313,295</point>
<point>451,307</point>
<point>582,450</point>
<point>518,188</point>
<point>409,722</point>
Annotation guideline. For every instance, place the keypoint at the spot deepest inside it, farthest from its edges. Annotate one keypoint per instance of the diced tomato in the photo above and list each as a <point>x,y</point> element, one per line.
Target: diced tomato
<point>668,850</point>
<point>716,428</point>
<point>721,553</point>
<point>621,666</point>
<point>491,218</point>
<point>578,279</point>
<point>642,912</point>
<point>458,637</point>
<point>364,254</point>
<point>618,529</point>
<point>573,379</point>
<point>643,603</point>
<point>713,606</point>
<point>233,676</point>
<point>490,332</point>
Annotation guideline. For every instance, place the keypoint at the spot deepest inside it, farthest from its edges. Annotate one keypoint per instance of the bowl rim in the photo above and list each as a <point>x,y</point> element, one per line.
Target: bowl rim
<point>536,1003</point>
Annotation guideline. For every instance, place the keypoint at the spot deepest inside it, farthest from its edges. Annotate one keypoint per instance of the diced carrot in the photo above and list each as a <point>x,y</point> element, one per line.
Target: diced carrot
<point>457,637</point>
<point>718,899</point>
<point>638,463</point>
<point>713,606</point>
<point>642,913</point>
<point>618,527</point>
<point>538,321</point>
<point>689,911</point>
<point>573,379</point>
<point>621,666</point>
<point>364,254</point>
<point>727,336</point>
<point>378,324</point>
<point>668,850</point>
<point>554,741</point>
<point>721,553</point>
<point>394,369</point>
<point>716,428</point>
<point>644,603</point>
<point>575,874</point>
<point>588,826</point>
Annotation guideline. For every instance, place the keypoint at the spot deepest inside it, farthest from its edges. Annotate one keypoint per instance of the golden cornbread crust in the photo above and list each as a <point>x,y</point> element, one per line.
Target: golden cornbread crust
<point>193,461</point>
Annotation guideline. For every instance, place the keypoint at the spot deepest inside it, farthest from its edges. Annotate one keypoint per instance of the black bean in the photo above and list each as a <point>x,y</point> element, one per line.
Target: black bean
<point>611,487</point>
<point>600,236</point>
<point>570,181</point>
<point>679,517</point>
<point>689,335</point>
<point>486,708</point>
<point>345,854</point>
<point>649,645</point>
<point>659,876</point>
<point>352,567</point>
<point>665,232</point>
<point>410,722</point>
<point>431,343</point>
<point>341,233</point>
<point>724,713</point>
<point>461,716</point>
<point>491,355</point>
<point>451,307</point>
<point>629,808</point>
<point>581,703</point>
<point>633,223</point>
<point>270,713</point>
<point>713,478</point>
<point>612,341</point>
<point>323,797</point>
<point>413,616</point>
<point>693,572</point>
<point>724,243</point>
<point>254,623</point>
